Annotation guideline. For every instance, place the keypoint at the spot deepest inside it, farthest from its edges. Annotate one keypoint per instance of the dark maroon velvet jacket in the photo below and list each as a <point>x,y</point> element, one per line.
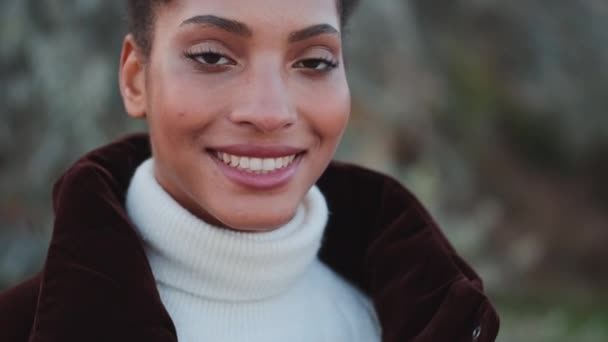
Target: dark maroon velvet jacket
<point>97,285</point>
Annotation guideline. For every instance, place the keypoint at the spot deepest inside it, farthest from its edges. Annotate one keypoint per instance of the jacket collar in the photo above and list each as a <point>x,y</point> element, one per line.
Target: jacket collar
<point>97,284</point>
<point>96,278</point>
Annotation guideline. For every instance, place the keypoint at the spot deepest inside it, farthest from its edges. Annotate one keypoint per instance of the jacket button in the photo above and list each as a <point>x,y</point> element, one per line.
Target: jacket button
<point>476,333</point>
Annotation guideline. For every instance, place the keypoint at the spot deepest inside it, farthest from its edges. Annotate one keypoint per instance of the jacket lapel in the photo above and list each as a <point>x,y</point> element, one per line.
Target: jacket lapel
<point>382,239</point>
<point>97,284</point>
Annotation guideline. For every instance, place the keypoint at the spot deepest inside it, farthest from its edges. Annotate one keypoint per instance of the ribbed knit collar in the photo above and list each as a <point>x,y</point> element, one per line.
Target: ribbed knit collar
<point>190,255</point>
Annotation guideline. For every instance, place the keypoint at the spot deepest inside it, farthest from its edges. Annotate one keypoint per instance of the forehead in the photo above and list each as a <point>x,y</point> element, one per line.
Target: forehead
<point>270,15</point>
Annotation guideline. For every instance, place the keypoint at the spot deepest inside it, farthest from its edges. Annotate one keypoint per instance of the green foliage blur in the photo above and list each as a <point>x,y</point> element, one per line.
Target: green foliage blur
<point>493,112</point>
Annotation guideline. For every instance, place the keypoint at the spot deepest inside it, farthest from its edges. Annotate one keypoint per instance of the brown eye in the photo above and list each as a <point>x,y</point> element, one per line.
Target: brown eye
<point>317,64</point>
<point>211,58</point>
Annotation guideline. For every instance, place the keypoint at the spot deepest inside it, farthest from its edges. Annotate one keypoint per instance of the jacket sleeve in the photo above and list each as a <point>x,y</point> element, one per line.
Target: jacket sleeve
<point>422,290</point>
<point>17,309</point>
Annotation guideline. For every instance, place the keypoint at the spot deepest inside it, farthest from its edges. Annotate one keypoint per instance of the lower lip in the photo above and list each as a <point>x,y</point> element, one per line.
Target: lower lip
<point>260,181</point>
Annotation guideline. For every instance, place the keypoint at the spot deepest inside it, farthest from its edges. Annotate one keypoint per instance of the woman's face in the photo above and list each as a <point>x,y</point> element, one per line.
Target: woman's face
<point>246,102</point>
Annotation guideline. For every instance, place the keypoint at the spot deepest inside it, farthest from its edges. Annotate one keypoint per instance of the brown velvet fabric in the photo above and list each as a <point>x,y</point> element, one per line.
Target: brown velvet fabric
<point>97,285</point>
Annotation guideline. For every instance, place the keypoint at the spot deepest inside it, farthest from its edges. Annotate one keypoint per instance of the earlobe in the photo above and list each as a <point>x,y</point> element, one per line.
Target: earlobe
<point>131,79</point>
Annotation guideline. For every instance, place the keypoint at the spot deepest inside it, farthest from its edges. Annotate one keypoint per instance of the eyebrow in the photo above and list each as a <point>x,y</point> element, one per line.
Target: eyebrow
<point>241,29</point>
<point>231,26</point>
<point>312,31</point>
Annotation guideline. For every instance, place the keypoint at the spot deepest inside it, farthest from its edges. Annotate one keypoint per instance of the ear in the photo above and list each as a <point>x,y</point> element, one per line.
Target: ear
<point>132,78</point>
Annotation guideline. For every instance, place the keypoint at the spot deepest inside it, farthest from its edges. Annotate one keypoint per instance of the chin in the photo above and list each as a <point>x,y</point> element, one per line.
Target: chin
<point>260,213</point>
<point>254,210</point>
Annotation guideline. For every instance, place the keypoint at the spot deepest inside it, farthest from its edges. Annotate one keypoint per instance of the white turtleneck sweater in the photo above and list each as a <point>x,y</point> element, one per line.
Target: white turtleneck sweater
<point>220,285</point>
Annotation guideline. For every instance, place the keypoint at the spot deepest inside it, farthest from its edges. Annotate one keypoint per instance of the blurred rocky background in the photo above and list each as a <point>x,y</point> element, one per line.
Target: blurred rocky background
<point>494,113</point>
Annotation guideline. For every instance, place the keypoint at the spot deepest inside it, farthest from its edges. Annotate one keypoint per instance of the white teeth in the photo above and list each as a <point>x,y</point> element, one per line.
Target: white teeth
<point>268,164</point>
<point>244,163</point>
<point>256,165</point>
<point>234,161</point>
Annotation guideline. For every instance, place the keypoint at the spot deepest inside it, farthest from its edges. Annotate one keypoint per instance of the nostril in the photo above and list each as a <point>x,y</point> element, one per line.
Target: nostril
<point>265,122</point>
<point>266,106</point>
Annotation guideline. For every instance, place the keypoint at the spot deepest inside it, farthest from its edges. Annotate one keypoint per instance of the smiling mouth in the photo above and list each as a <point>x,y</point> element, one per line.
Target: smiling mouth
<point>256,165</point>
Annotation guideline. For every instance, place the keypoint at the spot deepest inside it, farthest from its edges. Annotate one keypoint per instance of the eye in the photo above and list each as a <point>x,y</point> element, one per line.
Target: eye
<point>316,64</point>
<point>210,58</point>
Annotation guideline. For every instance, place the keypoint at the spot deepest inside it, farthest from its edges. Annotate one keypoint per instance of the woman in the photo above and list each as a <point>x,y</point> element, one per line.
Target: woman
<point>228,223</point>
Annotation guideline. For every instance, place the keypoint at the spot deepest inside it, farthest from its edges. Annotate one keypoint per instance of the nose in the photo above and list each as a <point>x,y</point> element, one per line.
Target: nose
<point>264,102</point>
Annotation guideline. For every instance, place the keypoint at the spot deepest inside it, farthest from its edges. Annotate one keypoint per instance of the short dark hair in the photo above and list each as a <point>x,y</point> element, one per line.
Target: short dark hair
<point>141,19</point>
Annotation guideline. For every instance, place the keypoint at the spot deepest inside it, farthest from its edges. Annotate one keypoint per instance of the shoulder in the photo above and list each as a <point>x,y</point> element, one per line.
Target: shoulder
<point>382,239</point>
<point>362,199</point>
<point>345,175</point>
<point>17,310</point>
<point>349,183</point>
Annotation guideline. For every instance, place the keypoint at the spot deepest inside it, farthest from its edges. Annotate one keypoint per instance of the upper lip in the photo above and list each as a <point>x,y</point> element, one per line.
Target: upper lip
<point>259,151</point>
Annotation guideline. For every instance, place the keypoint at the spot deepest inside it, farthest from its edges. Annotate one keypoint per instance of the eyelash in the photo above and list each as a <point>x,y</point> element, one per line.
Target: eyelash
<point>198,56</point>
<point>330,64</point>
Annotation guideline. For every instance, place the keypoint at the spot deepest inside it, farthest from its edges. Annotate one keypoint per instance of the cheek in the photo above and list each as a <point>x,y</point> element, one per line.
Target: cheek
<point>170,102</point>
<point>174,117</point>
<point>181,101</point>
<point>329,114</point>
